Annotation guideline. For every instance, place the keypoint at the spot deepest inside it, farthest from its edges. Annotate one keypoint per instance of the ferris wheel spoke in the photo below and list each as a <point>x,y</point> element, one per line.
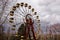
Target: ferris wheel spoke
<point>24,12</point>
<point>23,9</point>
<point>20,13</point>
<point>30,12</point>
<point>22,5</point>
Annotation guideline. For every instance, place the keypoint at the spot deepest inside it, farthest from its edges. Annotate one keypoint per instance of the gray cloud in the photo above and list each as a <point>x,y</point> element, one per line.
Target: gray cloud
<point>50,10</point>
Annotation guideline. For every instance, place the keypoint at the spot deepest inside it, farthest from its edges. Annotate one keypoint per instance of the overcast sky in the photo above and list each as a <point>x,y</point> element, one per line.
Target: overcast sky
<point>48,10</point>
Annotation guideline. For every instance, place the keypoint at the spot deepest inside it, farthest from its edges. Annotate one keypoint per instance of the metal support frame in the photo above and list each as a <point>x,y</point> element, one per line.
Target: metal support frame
<point>29,24</point>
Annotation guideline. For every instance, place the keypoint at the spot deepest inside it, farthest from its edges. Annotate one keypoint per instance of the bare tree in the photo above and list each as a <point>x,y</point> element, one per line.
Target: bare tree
<point>2,7</point>
<point>4,2</point>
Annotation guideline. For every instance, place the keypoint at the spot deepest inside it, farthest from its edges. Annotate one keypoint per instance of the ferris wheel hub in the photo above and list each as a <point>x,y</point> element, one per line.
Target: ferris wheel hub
<point>28,16</point>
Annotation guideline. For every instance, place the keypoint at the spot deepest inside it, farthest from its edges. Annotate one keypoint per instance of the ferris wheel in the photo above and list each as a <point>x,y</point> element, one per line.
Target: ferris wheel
<point>22,12</point>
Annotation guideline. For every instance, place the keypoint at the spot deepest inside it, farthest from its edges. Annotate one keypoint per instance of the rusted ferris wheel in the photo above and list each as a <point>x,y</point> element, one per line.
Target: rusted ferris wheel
<point>28,15</point>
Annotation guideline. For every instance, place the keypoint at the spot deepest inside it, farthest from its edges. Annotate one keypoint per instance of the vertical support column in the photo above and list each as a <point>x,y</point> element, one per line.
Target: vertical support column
<point>31,24</point>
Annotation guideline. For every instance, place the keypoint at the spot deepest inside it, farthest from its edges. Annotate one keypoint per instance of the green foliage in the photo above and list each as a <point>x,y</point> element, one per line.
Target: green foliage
<point>21,30</point>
